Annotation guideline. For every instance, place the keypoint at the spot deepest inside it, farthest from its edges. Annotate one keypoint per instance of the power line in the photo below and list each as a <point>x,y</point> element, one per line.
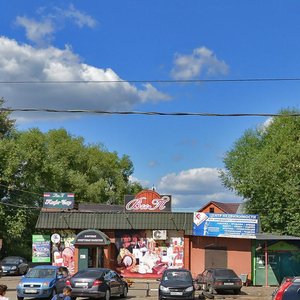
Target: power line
<point>229,80</point>
<point>149,113</point>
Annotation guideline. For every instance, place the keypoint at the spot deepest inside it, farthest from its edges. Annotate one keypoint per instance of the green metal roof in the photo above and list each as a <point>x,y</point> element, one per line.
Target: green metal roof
<point>115,220</point>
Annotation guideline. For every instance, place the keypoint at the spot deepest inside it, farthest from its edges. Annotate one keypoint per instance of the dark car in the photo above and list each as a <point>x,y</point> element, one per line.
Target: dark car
<point>97,283</point>
<point>43,281</point>
<point>176,284</point>
<point>288,289</point>
<point>216,280</point>
<point>14,265</point>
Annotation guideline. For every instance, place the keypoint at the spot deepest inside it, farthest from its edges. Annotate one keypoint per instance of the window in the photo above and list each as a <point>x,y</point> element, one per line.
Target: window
<point>212,210</point>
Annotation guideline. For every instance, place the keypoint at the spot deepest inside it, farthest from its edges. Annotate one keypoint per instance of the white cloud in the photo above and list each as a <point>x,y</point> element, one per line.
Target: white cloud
<point>142,182</point>
<point>191,189</point>
<point>26,63</point>
<point>39,32</point>
<point>201,61</point>
<point>81,19</point>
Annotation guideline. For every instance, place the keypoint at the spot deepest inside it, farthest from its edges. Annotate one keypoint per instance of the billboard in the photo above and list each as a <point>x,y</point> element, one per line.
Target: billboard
<point>147,201</point>
<point>58,200</point>
<point>141,256</point>
<point>225,225</point>
<point>41,248</point>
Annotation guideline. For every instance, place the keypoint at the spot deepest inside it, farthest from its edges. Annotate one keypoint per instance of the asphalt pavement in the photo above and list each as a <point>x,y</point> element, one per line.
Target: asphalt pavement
<point>148,289</point>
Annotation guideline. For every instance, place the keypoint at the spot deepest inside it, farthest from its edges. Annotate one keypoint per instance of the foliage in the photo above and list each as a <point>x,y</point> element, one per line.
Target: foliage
<point>264,168</point>
<point>6,124</point>
<point>33,162</point>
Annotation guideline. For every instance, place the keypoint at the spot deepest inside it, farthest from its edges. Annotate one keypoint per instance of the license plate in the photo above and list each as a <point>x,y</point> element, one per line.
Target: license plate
<point>31,291</point>
<point>228,283</point>
<point>83,284</point>
<point>176,293</point>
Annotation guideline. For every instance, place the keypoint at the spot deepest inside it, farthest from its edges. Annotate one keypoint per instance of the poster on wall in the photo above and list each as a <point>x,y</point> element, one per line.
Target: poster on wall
<point>41,248</point>
<point>140,256</point>
<point>63,251</point>
<point>225,225</point>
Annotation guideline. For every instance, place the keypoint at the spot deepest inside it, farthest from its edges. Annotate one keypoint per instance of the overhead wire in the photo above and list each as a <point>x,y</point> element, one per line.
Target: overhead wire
<point>149,113</point>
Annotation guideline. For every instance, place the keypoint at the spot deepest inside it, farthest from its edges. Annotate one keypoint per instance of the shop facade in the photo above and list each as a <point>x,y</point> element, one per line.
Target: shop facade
<point>144,242</point>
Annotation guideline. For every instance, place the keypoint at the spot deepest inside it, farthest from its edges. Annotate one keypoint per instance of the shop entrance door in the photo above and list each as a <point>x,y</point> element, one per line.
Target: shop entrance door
<point>95,257</point>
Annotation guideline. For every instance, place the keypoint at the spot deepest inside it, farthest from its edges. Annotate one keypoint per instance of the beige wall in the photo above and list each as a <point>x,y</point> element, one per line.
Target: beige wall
<point>238,253</point>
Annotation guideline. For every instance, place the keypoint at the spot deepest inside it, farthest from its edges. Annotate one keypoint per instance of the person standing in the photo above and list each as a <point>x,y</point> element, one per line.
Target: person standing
<point>3,289</point>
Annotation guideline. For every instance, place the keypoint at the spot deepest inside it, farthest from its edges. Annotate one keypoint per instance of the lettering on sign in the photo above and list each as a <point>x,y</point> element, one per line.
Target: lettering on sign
<point>148,201</point>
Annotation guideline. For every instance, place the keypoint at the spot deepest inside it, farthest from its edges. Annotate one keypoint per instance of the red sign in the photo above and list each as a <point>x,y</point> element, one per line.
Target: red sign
<point>148,201</point>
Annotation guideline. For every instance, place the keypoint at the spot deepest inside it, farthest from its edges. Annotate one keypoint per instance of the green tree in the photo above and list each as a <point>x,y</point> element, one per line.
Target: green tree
<point>33,162</point>
<point>264,168</point>
<point>6,124</point>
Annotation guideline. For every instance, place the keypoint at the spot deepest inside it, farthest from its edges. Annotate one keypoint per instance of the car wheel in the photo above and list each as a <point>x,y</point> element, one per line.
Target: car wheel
<point>125,292</point>
<point>20,298</point>
<point>73,298</point>
<point>107,295</point>
<point>237,291</point>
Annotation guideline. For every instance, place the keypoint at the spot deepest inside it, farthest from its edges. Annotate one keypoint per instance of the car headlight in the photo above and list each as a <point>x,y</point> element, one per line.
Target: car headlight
<point>189,289</point>
<point>46,284</point>
<point>14,268</point>
<point>164,289</point>
<point>19,285</point>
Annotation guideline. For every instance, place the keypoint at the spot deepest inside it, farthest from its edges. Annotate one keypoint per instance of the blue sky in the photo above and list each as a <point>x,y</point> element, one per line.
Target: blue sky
<point>149,41</point>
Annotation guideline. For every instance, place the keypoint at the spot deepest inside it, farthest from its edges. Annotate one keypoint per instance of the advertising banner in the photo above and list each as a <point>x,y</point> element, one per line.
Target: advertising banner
<point>140,256</point>
<point>58,200</point>
<point>147,201</point>
<point>63,252</point>
<point>41,248</point>
<point>225,225</point>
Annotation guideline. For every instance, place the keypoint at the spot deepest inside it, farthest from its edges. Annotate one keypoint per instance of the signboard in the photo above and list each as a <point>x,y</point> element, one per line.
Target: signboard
<point>225,225</point>
<point>148,201</point>
<point>55,238</point>
<point>159,234</point>
<point>41,248</point>
<point>58,200</point>
<point>92,237</point>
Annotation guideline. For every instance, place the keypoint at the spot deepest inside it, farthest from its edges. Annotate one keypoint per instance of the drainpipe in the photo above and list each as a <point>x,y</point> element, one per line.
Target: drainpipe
<point>266,263</point>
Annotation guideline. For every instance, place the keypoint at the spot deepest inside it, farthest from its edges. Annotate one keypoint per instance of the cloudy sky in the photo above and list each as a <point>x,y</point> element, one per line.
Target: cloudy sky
<point>137,55</point>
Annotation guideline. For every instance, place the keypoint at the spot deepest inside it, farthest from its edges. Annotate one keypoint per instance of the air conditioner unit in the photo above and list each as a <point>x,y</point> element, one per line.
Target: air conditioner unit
<point>160,234</point>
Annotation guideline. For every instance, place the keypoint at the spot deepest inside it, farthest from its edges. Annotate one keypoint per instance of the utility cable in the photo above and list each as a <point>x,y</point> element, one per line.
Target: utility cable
<point>149,113</point>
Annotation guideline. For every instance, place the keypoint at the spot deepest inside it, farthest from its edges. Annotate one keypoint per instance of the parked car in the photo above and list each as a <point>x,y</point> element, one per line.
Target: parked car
<point>216,280</point>
<point>14,265</point>
<point>288,289</point>
<point>43,281</point>
<point>97,283</point>
<point>176,284</point>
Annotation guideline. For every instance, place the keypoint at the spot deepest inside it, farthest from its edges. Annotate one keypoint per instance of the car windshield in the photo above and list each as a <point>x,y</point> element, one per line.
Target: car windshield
<point>177,276</point>
<point>225,272</point>
<point>88,274</point>
<point>41,273</point>
<point>10,260</point>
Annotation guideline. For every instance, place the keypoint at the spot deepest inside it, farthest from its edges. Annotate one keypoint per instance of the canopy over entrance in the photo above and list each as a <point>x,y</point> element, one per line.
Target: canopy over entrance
<point>91,237</point>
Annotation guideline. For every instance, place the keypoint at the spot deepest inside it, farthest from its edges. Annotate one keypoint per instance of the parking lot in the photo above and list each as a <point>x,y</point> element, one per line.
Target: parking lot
<point>148,290</point>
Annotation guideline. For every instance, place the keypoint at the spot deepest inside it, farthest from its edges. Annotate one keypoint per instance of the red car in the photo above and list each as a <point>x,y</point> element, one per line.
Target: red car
<point>278,294</point>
